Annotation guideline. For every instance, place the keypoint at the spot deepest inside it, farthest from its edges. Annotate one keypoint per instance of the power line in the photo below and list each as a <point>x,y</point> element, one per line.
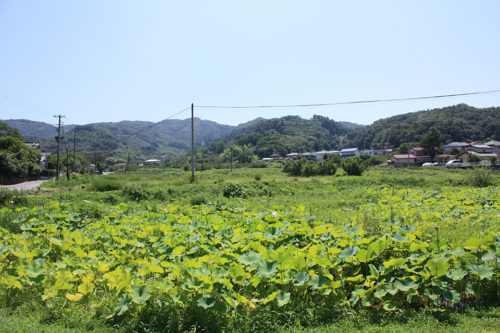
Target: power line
<point>169,117</point>
<point>350,102</point>
<point>15,103</point>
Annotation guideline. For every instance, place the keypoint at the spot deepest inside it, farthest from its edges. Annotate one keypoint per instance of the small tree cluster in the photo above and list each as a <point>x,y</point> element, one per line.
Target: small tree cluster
<point>310,168</point>
<point>353,166</point>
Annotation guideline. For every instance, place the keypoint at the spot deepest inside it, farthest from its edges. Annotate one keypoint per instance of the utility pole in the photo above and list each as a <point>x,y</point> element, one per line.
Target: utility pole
<point>74,151</point>
<point>58,138</point>
<point>408,140</point>
<point>128,162</point>
<point>95,161</point>
<point>192,142</point>
<point>67,162</point>
<point>231,158</point>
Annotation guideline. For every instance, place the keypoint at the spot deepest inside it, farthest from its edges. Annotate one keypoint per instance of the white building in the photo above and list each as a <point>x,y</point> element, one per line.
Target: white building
<point>349,152</point>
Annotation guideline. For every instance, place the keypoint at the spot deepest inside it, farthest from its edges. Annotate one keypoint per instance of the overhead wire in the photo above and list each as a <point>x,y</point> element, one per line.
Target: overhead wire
<point>15,103</point>
<point>169,117</point>
<point>349,102</point>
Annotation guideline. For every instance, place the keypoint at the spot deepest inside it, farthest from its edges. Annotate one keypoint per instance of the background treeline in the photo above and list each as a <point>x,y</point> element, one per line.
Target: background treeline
<point>110,143</point>
<point>454,123</point>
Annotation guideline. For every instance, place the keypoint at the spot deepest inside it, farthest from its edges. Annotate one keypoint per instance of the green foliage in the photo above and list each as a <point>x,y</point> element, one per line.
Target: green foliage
<point>9,198</point>
<point>480,177</point>
<point>454,123</point>
<point>474,158</point>
<point>291,133</point>
<point>254,263</point>
<point>103,185</point>
<point>79,164</point>
<point>198,199</point>
<point>310,168</point>
<point>138,192</point>
<point>171,138</point>
<point>232,190</point>
<point>6,130</point>
<point>353,166</point>
<point>431,142</point>
<point>17,159</point>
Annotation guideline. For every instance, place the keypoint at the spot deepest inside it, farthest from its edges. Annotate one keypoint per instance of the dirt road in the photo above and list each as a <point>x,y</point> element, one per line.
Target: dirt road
<point>25,185</point>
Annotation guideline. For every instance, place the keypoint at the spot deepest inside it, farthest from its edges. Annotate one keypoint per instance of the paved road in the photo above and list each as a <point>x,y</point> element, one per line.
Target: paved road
<point>25,186</point>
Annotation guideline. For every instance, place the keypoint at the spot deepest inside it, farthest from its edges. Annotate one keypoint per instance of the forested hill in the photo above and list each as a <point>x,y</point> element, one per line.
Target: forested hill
<point>172,138</point>
<point>292,133</point>
<point>168,138</point>
<point>454,123</point>
<point>34,130</point>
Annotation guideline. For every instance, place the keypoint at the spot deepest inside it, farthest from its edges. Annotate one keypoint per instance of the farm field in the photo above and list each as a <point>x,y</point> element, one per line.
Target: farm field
<point>253,250</point>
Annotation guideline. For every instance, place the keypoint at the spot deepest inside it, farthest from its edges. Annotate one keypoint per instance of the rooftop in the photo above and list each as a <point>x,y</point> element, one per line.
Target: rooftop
<point>457,144</point>
<point>493,143</point>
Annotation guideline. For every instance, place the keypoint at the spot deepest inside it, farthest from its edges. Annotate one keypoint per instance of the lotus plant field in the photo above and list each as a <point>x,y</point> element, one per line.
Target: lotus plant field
<point>437,249</point>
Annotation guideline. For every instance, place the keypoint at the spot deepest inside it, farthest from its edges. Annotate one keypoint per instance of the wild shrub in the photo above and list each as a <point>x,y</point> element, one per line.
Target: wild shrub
<point>8,198</point>
<point>480,177</point>
<point>104,185</point>
<point>90,210</point>
<point>353,166</point>
<point>293,168</point>
<point>136,192</point>
<point>310,168</point>
<point>198,200</point>
<point>231,190</point>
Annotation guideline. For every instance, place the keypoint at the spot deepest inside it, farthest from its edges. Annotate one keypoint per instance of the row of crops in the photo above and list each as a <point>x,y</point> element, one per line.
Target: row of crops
<point>224,259</point>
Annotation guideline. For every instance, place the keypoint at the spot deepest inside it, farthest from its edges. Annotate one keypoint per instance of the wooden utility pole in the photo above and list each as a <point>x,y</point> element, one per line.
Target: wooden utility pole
<point>58,138</point>
<point>67,162</point>
<point>231,158</point>
<point>128,162</point>
<point>192,142</point>
<point>74,151</point>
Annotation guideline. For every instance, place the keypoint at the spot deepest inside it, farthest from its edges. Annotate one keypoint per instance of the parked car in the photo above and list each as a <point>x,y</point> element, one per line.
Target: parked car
<point>429,164</point>
<point>453,164</point>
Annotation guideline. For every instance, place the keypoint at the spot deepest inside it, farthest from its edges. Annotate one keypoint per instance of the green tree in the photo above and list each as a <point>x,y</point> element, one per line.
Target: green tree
<point>473,158</point>
<point>353,166</point>
<point>17,159</point>
<point>431,142</point>
<point>403,149</point>
<point>81,164</point>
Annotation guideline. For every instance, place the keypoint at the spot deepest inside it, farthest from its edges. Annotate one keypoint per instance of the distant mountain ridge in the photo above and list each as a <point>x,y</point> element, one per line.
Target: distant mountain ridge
<point>35,129</point>
<point>172,138</point>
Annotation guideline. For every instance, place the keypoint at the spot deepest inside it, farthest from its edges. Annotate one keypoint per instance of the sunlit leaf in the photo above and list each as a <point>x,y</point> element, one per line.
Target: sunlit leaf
<point>266,269</point>
<point>399,237</point>
<point>74,297</point>
<point>438,267</point>
<point>456,274</point>
<point>283,298</point>
<point>348,252</point>
<point>250,258</point>
<point>206,301</point>
<point>483,271</point>
<point>123,304</point>
<point>300,278</point>
<point>140,294</point>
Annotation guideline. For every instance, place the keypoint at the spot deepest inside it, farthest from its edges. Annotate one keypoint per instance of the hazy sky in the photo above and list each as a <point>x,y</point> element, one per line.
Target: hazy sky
<point>112,60</point>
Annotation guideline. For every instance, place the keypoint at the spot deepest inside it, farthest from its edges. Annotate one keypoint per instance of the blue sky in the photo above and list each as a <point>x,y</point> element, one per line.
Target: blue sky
<point>113,60</point>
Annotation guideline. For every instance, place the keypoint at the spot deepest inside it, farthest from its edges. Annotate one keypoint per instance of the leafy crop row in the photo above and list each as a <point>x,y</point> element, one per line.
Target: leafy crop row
<point>224,260</point>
